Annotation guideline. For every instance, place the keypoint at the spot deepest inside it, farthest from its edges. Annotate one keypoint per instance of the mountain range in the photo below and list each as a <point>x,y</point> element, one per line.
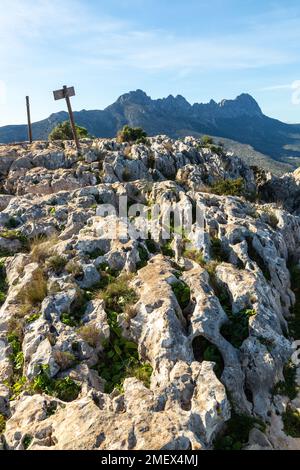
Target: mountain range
<point>238,123</point>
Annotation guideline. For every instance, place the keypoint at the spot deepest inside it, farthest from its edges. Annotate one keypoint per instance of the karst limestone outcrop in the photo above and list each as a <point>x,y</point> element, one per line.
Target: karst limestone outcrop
<point>130,343</point>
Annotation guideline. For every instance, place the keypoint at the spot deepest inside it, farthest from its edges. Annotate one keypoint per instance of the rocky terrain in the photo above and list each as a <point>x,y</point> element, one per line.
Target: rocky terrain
<point>147,344</point>
<point>239,123</point>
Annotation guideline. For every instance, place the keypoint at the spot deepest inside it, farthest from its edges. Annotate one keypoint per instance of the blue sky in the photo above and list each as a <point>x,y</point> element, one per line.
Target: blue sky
<point>199,49</point>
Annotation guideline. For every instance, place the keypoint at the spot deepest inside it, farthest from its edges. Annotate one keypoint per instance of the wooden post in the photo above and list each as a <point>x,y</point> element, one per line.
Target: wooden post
<point>29,120</point>
<point>72,121</point>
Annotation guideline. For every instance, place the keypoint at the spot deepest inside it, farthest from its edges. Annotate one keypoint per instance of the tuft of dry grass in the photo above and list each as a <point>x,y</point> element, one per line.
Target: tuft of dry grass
<point>32,296</point>
<point>42,248</point>
<point>90,334</point>
<point>65,360</point>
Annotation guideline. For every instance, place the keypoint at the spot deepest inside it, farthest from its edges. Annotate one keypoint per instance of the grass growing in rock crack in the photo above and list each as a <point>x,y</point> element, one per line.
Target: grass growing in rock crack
<point>3,283</point>
<point>182,293</point>
<point>32,296</point>
<point>117,295</point>
<point>195,255</point>
<point>236,434</point>
<point>73,318</point>
<point>16,357</point>
<point>120,358</point>
<point>294,323</point>
<point>217,250</point>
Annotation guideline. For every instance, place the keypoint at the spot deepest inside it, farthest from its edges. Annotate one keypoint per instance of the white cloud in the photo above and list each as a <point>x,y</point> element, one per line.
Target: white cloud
<point>30,29</point>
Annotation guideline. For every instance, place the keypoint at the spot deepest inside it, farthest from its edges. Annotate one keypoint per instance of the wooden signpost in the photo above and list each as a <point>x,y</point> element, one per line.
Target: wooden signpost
<point>29,120</point>
<point>66,93</point>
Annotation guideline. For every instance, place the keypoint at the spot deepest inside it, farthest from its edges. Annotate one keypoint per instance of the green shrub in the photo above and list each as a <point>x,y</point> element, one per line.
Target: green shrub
<point>229,187</point>
<point>130,135</point>
<point>237,329</point>
<point>237,431</point>
<point>96,253</point>
<point>291,422</point>
<point>63,131</point>
<point>207,140</point>
<point>63,389</point>
<point>288,387</point>
<point>182,293</point>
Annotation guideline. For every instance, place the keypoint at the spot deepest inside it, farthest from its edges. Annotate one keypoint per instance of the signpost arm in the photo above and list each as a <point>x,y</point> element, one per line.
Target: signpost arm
<point>29,120</point>
<point>72,121</point>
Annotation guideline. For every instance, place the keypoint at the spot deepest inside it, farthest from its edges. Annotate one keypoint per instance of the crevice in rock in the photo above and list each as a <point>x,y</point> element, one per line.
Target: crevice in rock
<point>204,350</point>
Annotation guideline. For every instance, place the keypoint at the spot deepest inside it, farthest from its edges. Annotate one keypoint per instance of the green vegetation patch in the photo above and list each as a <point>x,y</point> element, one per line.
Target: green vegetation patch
<point>288,387</point>
<point>291,422</point>
<point>63,131</point>
<point>131,135</point>
<point>237,329</point>
<point>229,187</point>
<point>294,323</point>
<point>117,295</point>
<point>182,293</point>
<point>3,283</point>
<point>237,431</point>
<point>64,389</point>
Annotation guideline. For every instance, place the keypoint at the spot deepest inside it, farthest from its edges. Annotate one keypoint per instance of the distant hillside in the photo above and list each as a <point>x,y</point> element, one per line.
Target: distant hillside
<point>240,120</point>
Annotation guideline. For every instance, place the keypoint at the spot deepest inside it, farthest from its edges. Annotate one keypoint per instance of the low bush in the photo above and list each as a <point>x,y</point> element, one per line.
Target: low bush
<point>63,131</point>
<point>131,135</point>
<point>64,389</point>
<point>288,387</point>
<point>237,329</point>
<point>229,187</point>
<point>236,434</point>
<point>291,422</point>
